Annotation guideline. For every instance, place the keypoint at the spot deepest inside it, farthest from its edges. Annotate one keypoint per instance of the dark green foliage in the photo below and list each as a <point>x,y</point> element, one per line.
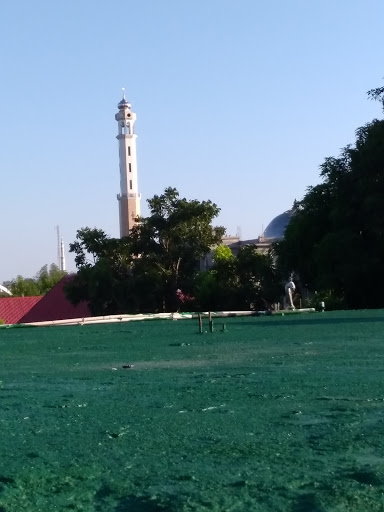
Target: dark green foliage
<point>332,302</point>
<point>116,282</point>
<point>142,272</point>
<point>335,240</point>
<point>155,268</point>
<point>104,272</point>
<point>247,281</point>
<point>177,233</point>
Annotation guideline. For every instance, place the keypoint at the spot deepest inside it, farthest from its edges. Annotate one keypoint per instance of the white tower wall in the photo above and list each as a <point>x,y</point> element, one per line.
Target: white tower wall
<point>62,256</point>
<point>129,197</point>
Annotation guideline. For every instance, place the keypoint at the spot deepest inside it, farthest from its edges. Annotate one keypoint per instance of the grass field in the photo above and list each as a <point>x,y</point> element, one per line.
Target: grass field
<point>274,414</point>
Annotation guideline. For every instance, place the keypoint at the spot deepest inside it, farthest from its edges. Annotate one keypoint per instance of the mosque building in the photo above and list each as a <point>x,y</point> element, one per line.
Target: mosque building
<point>272,233</point>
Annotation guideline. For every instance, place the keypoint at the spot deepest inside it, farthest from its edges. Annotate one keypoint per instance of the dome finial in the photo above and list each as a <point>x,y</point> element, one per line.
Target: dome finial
<point>123,103</point>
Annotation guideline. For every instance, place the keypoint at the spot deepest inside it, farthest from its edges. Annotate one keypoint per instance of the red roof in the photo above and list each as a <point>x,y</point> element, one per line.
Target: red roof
<point>12,309</point>
<point>54,305</point>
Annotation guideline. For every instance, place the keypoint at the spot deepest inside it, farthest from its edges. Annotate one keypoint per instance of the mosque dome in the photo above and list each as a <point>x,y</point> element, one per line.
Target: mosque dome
<point>276,227</point>
<point>123,104</point>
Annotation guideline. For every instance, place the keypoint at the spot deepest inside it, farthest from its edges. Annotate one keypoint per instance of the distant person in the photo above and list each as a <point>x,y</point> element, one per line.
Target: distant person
<point>289,291</point>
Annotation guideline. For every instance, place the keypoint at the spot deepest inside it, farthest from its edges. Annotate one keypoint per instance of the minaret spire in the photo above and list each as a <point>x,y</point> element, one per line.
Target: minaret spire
<point>129,197</point>
<point>62,256</point>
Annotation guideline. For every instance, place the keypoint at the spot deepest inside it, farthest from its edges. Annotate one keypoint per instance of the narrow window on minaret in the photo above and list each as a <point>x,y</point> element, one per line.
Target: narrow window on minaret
<point>129,166</point>
<point>130,184</point>
<point>129,150</point>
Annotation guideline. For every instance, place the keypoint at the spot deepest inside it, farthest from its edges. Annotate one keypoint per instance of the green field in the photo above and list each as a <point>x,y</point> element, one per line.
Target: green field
<point>274,414</point>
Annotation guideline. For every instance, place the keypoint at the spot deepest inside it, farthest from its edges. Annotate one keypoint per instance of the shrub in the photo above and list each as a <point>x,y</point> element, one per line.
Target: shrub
<point>332,301</point>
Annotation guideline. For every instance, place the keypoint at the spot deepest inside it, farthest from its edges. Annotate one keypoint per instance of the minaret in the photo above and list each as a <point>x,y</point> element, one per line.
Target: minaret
<point>129,197</point>
<point>62,256</point>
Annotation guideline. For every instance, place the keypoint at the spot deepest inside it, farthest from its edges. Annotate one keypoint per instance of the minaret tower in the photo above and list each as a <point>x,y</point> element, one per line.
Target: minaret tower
<point>129,197</point>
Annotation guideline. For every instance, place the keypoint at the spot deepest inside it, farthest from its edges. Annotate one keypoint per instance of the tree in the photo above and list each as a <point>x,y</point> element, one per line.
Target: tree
<point>335,239</point>
<point>173,239</point>
<point>24,287</point>
<point>377,94</point>
<point>145,270</point>
<point>47,277</point>
<point>44,280</point>
<point>259,280</point>
<point>222,253</point>
<point>247,281</point>
<point>104,272</point>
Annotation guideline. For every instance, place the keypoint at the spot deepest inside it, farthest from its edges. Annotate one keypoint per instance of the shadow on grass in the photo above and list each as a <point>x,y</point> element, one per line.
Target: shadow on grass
<point>131,503</point>
<point>136,504</point>
<point>307,503</point>
<point>6,480</point>
<point>367,476</point>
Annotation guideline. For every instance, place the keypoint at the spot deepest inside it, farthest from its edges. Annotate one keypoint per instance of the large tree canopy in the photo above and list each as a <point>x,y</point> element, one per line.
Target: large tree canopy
<point>142,272</point>
<point>174,237</point>
<point>335,239</point>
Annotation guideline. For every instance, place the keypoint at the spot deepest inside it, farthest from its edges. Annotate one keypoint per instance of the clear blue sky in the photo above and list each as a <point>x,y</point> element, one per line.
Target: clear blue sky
<point>238,102</point>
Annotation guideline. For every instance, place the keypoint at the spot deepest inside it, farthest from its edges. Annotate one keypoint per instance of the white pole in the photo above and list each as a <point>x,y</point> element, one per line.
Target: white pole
<point>62,256</point>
